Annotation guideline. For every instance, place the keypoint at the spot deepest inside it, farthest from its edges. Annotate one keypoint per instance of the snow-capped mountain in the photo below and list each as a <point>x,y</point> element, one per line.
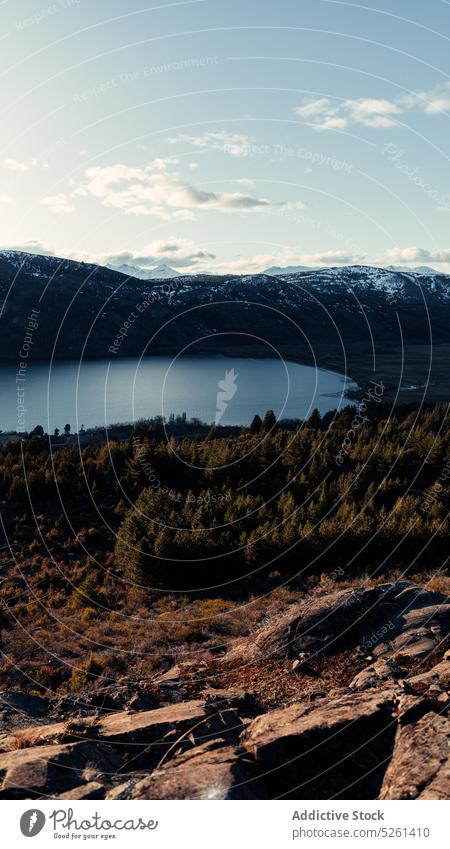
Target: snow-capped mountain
<point>278,270</point>
<point>82,308</point>
<point>419,269</point>
<point>160,272</point>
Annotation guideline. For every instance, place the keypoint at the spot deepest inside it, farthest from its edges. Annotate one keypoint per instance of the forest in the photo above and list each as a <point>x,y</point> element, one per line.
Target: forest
<point>117,554</point>
<point>183,513</point>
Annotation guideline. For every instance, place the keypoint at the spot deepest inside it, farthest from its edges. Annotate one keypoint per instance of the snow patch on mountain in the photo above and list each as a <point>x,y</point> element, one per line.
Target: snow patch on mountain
<point>419,269</point>
<point>280,271</point>
<point>160,272</point>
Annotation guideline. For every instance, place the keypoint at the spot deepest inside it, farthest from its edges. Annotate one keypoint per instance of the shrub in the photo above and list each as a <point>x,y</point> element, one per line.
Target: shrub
<point>86,673</point>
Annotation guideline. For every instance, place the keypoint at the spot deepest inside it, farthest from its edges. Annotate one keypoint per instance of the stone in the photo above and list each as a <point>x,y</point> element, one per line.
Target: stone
<point>317,694</point>
<point>420,766</point>
<point>339,691</point>
<point>439,674</point>
<point>365,618</point>
<point>326,741</point>
<point>411,708</point>
<point>143,738</point>
<point>209,772</point>
<point>124,726</point>
<point>91,790</point>
<point>365,679</point>
<point>236,698</point>
<point>412,646</point>
<point>324,749</point>
<point>171,681</point>
<point>47,770</point>
<point>155,727</point>
<point>23,703</point>
<point>142,701</point>
<point>375,675</point>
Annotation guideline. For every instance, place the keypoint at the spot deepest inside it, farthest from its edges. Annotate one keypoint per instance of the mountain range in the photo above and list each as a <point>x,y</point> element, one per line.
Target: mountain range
<point>277,270</point>
<point>160,272</point>
<point>418,269</point>
<point>165,272</point>
<point>344,318</point>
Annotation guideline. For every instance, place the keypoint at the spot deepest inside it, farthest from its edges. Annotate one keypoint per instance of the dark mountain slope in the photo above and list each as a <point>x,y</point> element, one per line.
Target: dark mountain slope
<point>332,315</point>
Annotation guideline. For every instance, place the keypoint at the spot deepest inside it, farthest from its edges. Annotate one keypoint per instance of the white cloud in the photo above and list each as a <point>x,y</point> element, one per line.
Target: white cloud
<point>154,190</point>
<point>328,258</point>
<point>432,102</point>
<point>312,108</point>
<point>14,165</point>
<point>251,265</point>
<point>326,114</point>
<point>193,166</point>
<point>439,104</point>
<point>22,167</point>
<point>31,247</point>
<point>259,262</point>
<point>6,200</point>
<point>178,253</point>
<point>371,112</point>
<point>58,203</point>
<point>245,181</point>
<point>234,144</point>
<point>333,123</point>
<point>163,164</point>
<point>185,254</point>
<point>415,254</point>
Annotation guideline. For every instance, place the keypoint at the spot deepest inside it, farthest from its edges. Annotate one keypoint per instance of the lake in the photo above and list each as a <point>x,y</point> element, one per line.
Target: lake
<point>229,390</point>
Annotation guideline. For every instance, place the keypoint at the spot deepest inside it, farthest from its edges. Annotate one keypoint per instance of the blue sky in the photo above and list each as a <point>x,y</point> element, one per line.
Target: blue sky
<point>228,136</point>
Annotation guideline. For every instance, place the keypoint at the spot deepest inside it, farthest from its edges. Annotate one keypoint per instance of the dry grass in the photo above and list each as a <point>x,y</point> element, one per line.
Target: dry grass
<point>439,584</point>
<point>25,739</point>
<point>73,730</point>
<point>52,645</point>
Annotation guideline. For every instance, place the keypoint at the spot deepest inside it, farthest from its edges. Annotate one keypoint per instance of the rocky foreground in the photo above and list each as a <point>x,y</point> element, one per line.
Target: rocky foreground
<point>344,695</point>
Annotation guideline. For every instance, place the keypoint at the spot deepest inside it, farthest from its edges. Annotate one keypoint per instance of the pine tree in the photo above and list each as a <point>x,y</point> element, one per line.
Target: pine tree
<point>314,421</point>
<point>256,424</point>
<point>270,421</point>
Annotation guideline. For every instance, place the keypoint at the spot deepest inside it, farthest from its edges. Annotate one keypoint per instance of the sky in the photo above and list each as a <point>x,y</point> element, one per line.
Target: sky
<point>226,136</point>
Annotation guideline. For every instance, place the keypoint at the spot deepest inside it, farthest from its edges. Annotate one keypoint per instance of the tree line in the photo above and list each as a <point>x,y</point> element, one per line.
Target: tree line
<point>201,512</point>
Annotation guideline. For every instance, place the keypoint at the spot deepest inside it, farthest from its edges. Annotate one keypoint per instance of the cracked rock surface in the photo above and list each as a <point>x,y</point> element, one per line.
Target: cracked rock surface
<point>341,696</point>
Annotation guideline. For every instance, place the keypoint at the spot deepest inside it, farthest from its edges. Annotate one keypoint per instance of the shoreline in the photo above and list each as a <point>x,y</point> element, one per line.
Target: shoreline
<point>346,386</point>
<point>423,378</point>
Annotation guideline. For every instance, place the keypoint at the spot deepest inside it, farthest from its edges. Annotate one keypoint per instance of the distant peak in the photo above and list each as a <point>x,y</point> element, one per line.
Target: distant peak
<point>278,270</point>
<point>418,269</point>
<point>160,272</point>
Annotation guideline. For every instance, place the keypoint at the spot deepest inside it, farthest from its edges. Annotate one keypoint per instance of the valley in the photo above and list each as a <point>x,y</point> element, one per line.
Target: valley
<point>365,322</point>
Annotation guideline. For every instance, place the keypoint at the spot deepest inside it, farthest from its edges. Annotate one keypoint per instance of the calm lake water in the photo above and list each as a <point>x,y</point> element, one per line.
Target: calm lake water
<point>99,392</point>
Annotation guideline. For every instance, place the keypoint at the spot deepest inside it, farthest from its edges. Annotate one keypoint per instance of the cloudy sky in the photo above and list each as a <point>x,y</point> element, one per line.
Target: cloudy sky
<point>226,135</point>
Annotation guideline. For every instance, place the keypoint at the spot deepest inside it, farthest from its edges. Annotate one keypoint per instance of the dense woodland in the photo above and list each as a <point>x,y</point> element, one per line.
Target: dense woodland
<point>221,506</point>
<point>102,542</point>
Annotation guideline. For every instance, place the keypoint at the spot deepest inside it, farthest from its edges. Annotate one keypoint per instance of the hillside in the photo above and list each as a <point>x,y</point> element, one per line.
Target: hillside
<point>204,730</point>
<point>259,603</point>
<point>361,320</point>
